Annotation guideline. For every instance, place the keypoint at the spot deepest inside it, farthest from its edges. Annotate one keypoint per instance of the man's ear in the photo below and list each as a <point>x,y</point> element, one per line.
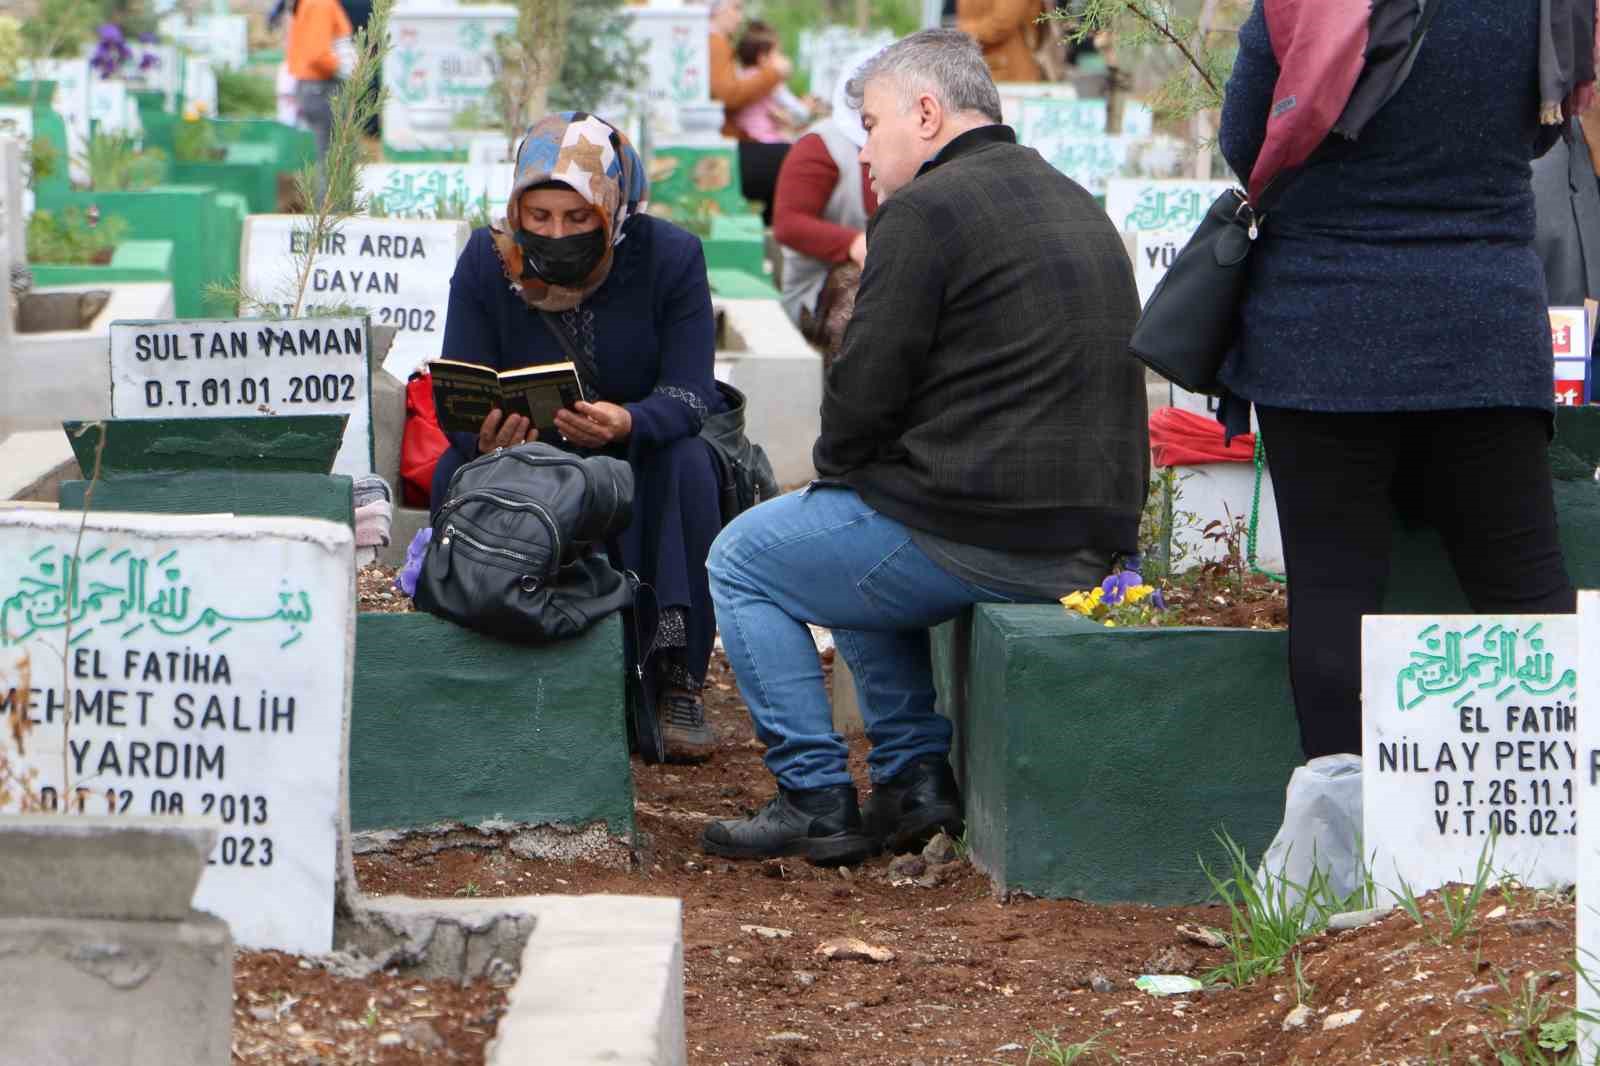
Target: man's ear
<point>930,116</point>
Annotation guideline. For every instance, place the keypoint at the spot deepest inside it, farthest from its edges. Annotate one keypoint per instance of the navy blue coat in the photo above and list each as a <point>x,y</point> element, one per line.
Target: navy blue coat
<point>1400,275</point>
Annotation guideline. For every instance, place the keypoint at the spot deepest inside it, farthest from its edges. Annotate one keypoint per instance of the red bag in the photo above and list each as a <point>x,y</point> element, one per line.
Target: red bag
<point>1183,438</point>
<point>421,443</point>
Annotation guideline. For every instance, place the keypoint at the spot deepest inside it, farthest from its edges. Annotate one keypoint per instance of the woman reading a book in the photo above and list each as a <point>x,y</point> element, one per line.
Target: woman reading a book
<point>577,272</point>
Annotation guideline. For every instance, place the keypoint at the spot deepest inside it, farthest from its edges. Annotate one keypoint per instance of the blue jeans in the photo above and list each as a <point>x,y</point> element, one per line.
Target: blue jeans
<point>823,556</point>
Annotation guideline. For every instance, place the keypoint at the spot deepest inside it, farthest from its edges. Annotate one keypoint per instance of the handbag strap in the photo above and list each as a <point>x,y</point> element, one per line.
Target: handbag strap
<point>1332,143</point>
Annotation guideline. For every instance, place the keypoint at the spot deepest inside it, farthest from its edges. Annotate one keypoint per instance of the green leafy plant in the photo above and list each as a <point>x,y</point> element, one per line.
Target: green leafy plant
<point>59,29</point>
<point>1270,915</point>
<point>530,59</point>
<point>471,888</point>
<point>332,189</point>
<point>195,140</point>
<point>241,94</point>
<point>116,163</point>
<point>70,238</point>
<point>1459,902</point>
<point>11,49</point>
<point>1162,521</point>
<point>1182,39</point>
<point>600,60</point>
<point>1048,1048</point>
<point>43,161</point>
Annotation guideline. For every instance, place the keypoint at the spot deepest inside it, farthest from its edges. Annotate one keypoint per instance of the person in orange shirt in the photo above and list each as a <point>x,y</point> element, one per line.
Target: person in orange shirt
<point>758,162</point>
<point>1004,29</point>
<point>319,53</point>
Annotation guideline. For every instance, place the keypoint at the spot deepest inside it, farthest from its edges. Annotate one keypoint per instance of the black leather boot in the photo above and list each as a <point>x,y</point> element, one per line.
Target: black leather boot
<point>905,812</point>
<point>821,824</point>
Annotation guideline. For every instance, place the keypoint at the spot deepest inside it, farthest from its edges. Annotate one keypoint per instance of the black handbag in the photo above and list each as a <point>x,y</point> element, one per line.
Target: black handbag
<point>1192,318</point>
<point>518,547</point>
<point>1191,321</point>
<point>745,476</point>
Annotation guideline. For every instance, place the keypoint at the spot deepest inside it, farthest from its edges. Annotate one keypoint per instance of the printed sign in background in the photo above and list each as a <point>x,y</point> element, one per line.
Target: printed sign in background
<point>204,675</point>
<point>251,367</point>
<point>1569,343</point>
<point>1471,739</point>
<point>397,270</point>
<point>1137,205</point>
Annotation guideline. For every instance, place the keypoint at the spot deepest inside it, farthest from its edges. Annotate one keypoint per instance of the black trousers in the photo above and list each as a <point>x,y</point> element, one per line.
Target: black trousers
<point>758,173</point>
<point>1480,477</point>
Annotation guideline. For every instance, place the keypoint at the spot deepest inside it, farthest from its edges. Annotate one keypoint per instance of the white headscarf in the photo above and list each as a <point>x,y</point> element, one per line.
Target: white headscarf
<point>848,118</point>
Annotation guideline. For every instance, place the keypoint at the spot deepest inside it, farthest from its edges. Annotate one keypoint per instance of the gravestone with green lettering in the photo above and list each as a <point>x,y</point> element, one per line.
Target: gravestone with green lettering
<point>248,368</point>
<point>1588,784</point>
<point>1470,747</point>
<point>190,665</point>
<point>396,270</point>
<point>441,63</point>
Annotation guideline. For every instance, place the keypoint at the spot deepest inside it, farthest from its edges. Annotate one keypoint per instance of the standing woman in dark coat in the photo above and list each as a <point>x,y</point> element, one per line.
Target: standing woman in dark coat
<point>576,253</point>
<point>1395,336</point>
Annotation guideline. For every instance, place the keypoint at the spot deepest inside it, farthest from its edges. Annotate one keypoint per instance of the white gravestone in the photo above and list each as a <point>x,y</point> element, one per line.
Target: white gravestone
<point>415,190</point>
<point>442,60</point>
<point>1470,727</point>
<point>17,124</point>
<point>211,369</point>
<point>397,270</point>
<point>223,39</point>
<point>111,108</point>
<point>207,670</point>
<point>1589,827</point>
<point>825,51</point>
<point>199,82</point>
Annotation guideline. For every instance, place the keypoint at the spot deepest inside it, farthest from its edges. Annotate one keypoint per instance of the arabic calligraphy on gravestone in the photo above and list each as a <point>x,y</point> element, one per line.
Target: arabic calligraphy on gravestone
<point>188,665</point>
<point>1470,742</point>
<point>212,369</point>
<point>420,190</point>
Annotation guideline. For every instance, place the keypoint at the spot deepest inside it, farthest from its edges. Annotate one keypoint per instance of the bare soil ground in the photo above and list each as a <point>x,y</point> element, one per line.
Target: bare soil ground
<point>973,979</point>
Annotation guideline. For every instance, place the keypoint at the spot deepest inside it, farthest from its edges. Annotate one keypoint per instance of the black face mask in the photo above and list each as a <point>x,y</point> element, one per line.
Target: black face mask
<point>563,261</point>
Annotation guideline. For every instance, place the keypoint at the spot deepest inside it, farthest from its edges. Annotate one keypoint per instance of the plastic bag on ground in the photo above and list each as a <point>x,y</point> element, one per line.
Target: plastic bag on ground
<point>1321,825</point>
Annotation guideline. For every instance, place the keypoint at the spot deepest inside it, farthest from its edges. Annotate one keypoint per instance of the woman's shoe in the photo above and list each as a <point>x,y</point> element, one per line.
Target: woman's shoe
<point>686,735</point>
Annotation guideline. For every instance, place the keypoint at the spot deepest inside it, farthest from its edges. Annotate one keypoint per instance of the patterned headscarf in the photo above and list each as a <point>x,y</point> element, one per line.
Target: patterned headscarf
<point>594,159</point>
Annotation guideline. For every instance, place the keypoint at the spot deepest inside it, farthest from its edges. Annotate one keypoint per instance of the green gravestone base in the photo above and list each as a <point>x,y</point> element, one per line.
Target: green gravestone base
<point>1099,763</point>
<point>738,285</point>
<point>131,261</point>
<point>249,171</point>
<point>737,242</point>
<point>202,223</point>
<point>293,444</point>
<point>326,496</point>
<point>450,725</point>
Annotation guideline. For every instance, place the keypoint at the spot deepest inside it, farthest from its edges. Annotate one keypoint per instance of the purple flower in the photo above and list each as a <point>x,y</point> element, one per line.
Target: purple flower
<point>416,552</point>
<point>1115,587</point>
<point>1158,601</point>
<point>148,37</point>
<point>150,60</point>
<point>110,31</point>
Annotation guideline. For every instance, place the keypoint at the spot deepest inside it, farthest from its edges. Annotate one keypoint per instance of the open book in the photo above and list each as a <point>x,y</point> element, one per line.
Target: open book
<point>465,393</point>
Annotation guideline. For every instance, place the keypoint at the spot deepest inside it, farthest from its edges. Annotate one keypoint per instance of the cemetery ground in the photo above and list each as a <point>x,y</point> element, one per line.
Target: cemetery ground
<point>975,979</point>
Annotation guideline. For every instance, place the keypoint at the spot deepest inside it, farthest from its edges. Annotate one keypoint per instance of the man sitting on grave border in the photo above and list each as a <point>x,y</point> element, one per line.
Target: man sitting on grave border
<point>983,439</point>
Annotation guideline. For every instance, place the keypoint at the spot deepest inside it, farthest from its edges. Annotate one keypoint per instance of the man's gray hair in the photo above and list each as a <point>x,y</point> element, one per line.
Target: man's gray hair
<point>945,63</point>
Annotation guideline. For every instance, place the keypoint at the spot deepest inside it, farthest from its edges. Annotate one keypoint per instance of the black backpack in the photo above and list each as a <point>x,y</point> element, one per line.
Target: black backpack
<point>518,547</point>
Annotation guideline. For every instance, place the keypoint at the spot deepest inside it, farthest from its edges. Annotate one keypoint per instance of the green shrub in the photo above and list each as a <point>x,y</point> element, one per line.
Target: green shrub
<point>116,163</point>
<point>70,239</point>
<point>195,141</point>
<point>244,95</point>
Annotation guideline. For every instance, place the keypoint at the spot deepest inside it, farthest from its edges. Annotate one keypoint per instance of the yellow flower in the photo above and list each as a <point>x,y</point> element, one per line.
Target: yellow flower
<point>1110,624</point>
<point>1139,592</point>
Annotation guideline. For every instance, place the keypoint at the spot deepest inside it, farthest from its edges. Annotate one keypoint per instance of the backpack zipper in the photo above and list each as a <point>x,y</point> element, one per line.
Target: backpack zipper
<point>453,531</point>
<point>510,504</point>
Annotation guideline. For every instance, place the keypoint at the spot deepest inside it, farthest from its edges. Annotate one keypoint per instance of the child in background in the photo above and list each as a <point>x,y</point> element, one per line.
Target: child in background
<point>776,117</point>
